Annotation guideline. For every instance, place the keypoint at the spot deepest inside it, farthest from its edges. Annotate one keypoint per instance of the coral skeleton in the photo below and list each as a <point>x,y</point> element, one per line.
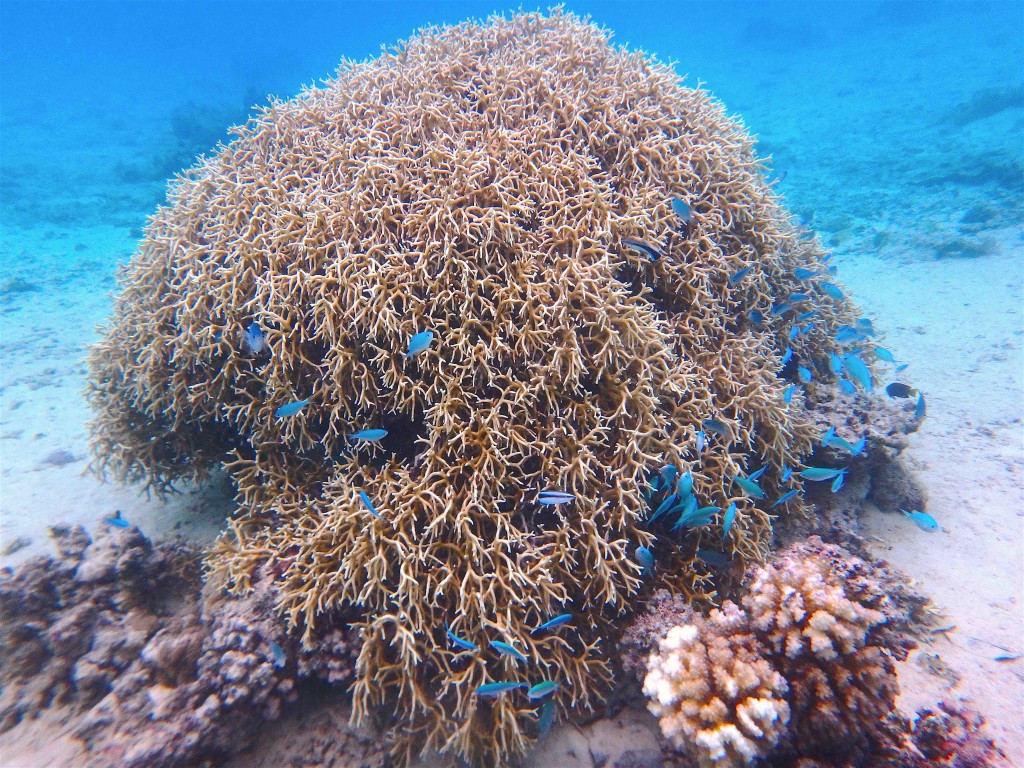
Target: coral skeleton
<point>482,182</point>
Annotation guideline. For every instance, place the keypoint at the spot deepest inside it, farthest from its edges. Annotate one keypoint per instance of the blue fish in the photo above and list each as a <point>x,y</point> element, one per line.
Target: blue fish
<point>920,410</point>
<point>695,518</point>
<point>922,520</point>
<point>369,435</point>
<point>369,505</point>
<point>806,316</point>
<point>758,473</point>
<point>787,395</point>
<point>826,439</point>
<point>846,387</point>
<point>749,486</point>
<point>820,473</point>
<point>688,513</point>
<point>713,558</point>
<point>253,339</point>
<point>859,446</point>
<point>902,367</point>
<point>116,520</point>
<point>795,298</point>
<point>786,497</point>
<point>838,483</point>
<point>684,487</point>
<point>508,650</point>
<point>542,690</point>
<point>858,371</point>
<point>463,644</point>
<point>787,355</point>
<point>682,210</point>
<point>738,275</point>
<point>786,474</point>
<point>645,557</point>
<point>833,290</point>
<point>727,521</point>
<point>419,343</point>
<point>794,332</point>
<point>835,363</point>
<point>781,308</point>
<point>804,274</point>
<point>550,498</point>
<point>668,474</point>
<point>866,326</point>
<point>558,621</point>
<point>547,718</point>
<point>716,426</point>
<point>278,652</point>
<point>846,335</point>
<point>496,689</point>
<point>884,354</point>
<point>701,441</point>
<point>804,374</point>
<point>642,245</point>
<point>291,409</point>
<point>755,317</point>
<point>664,507</point>
<point>808,328</point>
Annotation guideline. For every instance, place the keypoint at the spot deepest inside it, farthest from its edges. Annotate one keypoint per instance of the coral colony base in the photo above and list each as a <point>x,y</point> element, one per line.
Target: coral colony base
<point>493,334</point>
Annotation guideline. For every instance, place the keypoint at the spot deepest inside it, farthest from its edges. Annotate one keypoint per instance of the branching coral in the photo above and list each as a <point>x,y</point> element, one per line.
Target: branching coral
<point>794,672</point>
<point>481,182</point>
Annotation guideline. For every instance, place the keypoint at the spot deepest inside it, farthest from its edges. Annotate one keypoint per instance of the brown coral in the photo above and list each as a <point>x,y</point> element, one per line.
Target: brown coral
<point>797,623</point>
<point>479,182</point>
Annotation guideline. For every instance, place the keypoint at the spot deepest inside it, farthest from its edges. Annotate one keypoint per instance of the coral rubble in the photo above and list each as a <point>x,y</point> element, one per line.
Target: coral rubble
<point>487,183</point>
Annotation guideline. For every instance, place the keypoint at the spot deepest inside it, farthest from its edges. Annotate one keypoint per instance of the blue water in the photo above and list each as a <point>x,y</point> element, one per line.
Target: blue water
<point>898,126</point>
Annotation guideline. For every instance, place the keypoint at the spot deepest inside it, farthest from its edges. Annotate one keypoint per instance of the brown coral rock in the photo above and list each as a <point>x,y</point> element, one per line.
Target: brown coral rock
<point>481,182</point>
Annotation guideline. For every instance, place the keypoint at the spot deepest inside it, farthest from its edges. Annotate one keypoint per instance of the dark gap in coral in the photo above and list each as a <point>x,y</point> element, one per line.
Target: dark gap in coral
<point>404,441</point>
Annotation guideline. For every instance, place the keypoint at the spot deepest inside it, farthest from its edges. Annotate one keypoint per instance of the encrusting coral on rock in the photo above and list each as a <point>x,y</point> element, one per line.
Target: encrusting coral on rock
<point>537,261</point>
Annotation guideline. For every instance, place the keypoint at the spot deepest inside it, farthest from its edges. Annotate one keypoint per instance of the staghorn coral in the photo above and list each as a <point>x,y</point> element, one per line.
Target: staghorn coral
<point>800,653</point>
<point>477,181</point>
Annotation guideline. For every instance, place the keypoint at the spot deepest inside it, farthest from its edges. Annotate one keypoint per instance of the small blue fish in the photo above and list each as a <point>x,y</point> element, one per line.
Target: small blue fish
<point>846,387</point>
<point>758,473</point>
<point>645,557</point>
<point>684,487</point>
<point>461,643</point>
<point>716,426</point>
<point>859,446</point>
<point>664,507</point>
<point>804,374</point>
<point>668,474</point>
<point>550,498</point>
<point>826,439</point>
<point>508,650</point>
<point>419,343</point>
<point>920,410</point>
<point>820,473</point>
<point>845,336</point>
<point>884,354</point>
<point>695,518</point>
<point>838,483</point>
<point>253,339</point>
<point>806,316</point>
<point>369,505</point>
<point>794,332</point>
<point>713,558</point>
<point>804,274</point>
<point>749,486</point>
<point>786,474</point>
<point>858,371</point>
<point>727,521</point>
<point>558,621</point>
<point>689,512</point>
<point>866,326</point>
<point>701,442</point>
<point>369,435</point>
<point>787,395</point>
<point>278,652</point>
<point>756,318</point>
<point>902,367</point>
<point>922,520</point>
<point>781,308</point>
<point>642,245</point>
<point>835,363</point>
<point>787,355</point>
<point>291,409</point>
<point>547,718</point>
<point>786,497</point>
<point>496,689</point>
<point>795,298</point>
<point>682,210</point>
<point>738,275</point>
<point>833,290</point>
<point>542,690</point>
<point>116,520</point>
<point>808,328</point>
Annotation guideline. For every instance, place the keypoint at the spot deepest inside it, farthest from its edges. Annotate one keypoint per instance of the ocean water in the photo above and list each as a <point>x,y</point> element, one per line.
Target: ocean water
<point>896,129</point>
